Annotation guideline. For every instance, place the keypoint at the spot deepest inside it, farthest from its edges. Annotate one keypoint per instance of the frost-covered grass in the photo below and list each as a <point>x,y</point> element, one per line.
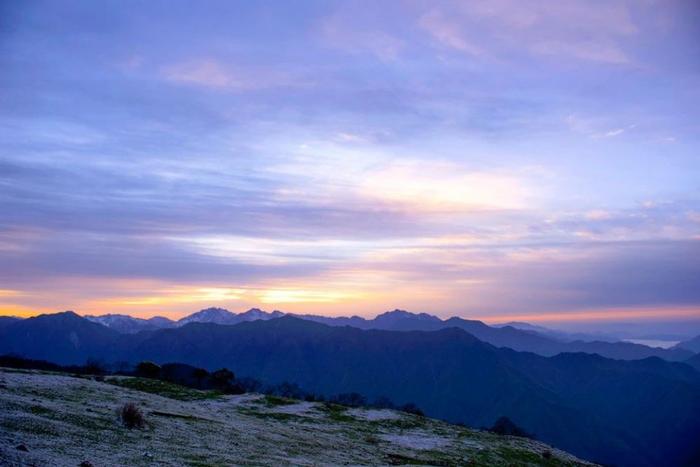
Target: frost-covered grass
<point>162,388</point>
<point>63,420</point>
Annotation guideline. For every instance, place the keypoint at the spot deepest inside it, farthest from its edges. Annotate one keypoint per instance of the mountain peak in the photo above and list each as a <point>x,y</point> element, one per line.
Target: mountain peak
<point>403,314</point>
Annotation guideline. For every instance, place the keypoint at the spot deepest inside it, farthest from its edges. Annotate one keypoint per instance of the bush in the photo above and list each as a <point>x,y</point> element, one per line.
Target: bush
<point>350,399</point>
<point>412,409</point>
<point>148,370</point>
<point>505,426</point>
<point>131,416</point>
<point>222,378</point>
<point>383,402</point>
<point>94,367</point>
<point>200,374</point>
<point>289,390</point>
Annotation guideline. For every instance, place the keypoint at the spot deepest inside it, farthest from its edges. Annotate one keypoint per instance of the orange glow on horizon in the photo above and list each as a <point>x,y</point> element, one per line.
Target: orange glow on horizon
<point>601,315</point>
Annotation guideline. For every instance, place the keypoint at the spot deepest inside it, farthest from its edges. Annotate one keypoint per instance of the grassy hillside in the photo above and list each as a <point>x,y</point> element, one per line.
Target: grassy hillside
<point>65,420</point>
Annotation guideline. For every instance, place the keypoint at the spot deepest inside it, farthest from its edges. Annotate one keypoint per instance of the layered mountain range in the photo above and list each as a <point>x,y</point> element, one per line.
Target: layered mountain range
<point>517,336</point>
<point>635,411</point>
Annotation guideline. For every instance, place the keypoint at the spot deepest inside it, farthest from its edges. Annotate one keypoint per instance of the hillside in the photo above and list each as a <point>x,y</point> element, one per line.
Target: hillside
<point>692,344</point>
<point>397,320</point>
<point>63,420</point>
<point>632,413</point>
<point>594,412</point>
<point>694,361</point>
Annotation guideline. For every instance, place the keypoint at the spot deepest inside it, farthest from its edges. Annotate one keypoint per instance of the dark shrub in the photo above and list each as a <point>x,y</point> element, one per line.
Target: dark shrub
<point>199,375</point>
<point>250,384</point>
<point>121,367</point>
<point>350,399</point>
<point>131,416</point>
<point>383,402</point>
<point>222,379</point>
<point>148,370</point>
<point>290,390</point>
<point>412,409</point>
<point>94,367</point>
<point>547,454</point>
<point>235,388</point>
<point>505,426</point>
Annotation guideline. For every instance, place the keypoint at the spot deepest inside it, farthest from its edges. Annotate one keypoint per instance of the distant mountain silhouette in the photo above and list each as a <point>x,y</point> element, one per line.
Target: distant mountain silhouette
<point>5,320</point>
<point>506,336</point>
<point>641,412</point>
<point>693,345</point>
<point>694,361</point>
<point>63,338</point>
<point>129,325</point>
<point>223,316</point>
<point>400,320</point>
<point>557,334</point>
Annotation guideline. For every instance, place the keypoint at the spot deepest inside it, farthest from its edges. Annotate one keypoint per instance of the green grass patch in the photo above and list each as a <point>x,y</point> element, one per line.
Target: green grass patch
<point>403,423</point>
<point>39,410</point>
<point>159,413</point>
<point>163,388</point>
<point>283,417</point>
<point>24,425</point>
<point>524,457</point>
<point>400,459</point>
<point>203,460</point>
<point>335,412</point>
<point>275,401</point>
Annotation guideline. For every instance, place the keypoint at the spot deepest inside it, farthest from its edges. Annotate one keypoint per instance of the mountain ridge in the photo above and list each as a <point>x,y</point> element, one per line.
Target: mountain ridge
<point>401,320</point>
<point>589,405</point>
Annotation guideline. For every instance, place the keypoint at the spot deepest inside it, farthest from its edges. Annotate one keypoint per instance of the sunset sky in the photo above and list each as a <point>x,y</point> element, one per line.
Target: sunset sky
<point>490,159</point>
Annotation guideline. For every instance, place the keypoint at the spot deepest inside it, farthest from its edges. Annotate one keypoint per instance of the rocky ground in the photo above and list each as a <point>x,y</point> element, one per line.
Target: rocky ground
<point>61,420</point>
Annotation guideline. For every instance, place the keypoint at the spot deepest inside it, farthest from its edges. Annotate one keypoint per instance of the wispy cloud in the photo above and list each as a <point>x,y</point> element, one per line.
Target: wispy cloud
<point>212,73</point>
<point>568,30</point>
<point>350,157</point>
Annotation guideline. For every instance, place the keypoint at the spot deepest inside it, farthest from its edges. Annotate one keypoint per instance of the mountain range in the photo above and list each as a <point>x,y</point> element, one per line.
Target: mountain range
<point>641,412</point>
<point>692,345</point>
<point>519,336</point>
<point>130,325</point>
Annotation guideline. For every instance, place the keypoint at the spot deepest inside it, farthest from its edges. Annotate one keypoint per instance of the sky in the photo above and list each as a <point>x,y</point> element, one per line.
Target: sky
<point>499,160</point>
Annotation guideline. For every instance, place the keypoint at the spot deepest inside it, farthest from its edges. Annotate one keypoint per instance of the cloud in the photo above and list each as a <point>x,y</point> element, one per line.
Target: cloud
<point>449,32</point>
<point>435,186</point>
<point>343,32</point>
<point>572,29</point>
<point>212,73</point>
<point>595,127</point>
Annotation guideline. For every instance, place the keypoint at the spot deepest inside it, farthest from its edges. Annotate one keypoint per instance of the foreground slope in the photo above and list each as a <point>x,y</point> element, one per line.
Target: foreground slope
<point>627,413</point>
<point>63,420</point>
<point>635,413</point>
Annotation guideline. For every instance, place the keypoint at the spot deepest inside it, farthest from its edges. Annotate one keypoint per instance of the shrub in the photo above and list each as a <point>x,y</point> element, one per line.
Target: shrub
<point>148,370</point>
<point>200,374</point>
<point>290,390</point>
<point>412,409</point>
<point>222,378</point>
<point>94,367</point>
<point>350,399</point>
<point>383,402</point>
<point>505,426</point>
<point>131,416</point>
